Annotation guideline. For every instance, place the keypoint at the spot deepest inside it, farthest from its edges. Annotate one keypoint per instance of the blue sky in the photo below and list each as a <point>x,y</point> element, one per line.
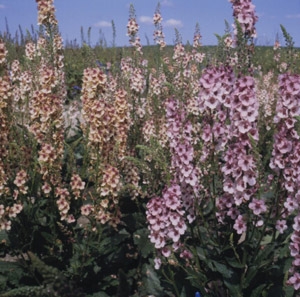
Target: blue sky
<point>182,14</point>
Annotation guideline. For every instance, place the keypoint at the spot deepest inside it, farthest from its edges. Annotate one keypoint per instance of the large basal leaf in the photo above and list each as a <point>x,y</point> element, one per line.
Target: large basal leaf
<point>250,274</point>
<point>234,289</point>
<point>143,243</point>
<point>10,272</point>
<point>234,263</point>
<point>257,292</point>
<point>275,291</point>
<point>223,269</point>
<point>151,282</point>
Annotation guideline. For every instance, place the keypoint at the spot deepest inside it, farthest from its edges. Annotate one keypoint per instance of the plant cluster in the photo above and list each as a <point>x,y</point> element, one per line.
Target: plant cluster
<point>139,177</point>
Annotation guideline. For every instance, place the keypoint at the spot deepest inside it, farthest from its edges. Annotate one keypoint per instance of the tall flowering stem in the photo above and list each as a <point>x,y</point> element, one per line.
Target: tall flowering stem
<point>132,30</point>
<point>7,210</point>
<point>285,162</point>
<point>168,215</point>
<point>106,122</point>
<point>5,89</point>
<point>245,32</point>
<point>46,106</point>
<point>158,34</point>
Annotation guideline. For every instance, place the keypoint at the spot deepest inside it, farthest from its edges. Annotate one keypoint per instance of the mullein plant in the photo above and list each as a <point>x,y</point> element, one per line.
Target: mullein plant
<point>33,148</point>
<point>10,205</point>
<point>237,230</point>
<point>285,164</point>
<point>244,32</point>
<point>227,220</point>
<point>46,108</point>
<point>212,151</point>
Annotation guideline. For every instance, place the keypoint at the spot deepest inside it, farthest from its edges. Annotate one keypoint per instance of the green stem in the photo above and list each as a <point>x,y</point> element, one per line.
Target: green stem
<point>171,281</point>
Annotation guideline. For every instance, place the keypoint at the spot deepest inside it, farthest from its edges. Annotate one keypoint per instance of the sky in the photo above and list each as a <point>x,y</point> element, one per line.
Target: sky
<point>180,14</point>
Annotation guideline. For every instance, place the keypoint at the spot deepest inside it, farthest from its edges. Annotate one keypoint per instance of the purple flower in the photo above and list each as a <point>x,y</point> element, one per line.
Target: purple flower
<point>258,206</point>
<point>244,13</point>
<point>240,225</point>
<point>281,226</point>
<point>295,281</point>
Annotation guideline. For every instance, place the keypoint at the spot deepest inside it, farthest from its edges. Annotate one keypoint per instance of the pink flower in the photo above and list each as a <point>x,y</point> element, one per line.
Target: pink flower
<point>257,206</point>
<point>295,281</point>
<point>86,209</point>
<point>192,179</point>
<point>207,133</point>
<point>154,206</point>
<point>70,219</point>
<point>185,254</point>
<point>250,178</point>
<point>174,234</point>
<point>296,225</point>
<point>172,200</point>
<point>166,252</point>
<point>181,227</point>
<point>228,187</point>
<point>157,263</point>
<point>296,262</point>
<point>240,225</point>
<point>281,226</point>
<point>240,185</point>
<point>233,213</point>
<point>244,12</point>
<point>284,146</point>
<point>175,218</point>
<point>244,126</point>
<point>157,18</point>
<point>246,99</point>
<point>212,102</point>
<point>158,239</point>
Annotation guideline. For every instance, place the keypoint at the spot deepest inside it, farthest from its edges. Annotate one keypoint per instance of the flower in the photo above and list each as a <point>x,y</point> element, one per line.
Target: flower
<point>132,27</point>
<point>294,280</point>
<point>281,226</point>
<point>258,206</point>
<point>46,12</point>
<point>86,209</point>
<point>240,225</point>
<point>3,52</point>
<point>157,263</point>
<point>244,13</point>
<point>157,18</point>
<point>290,204</point>
<point>5,225</point>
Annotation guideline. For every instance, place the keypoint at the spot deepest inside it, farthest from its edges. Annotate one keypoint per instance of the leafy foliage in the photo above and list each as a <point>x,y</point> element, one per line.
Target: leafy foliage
<point>95,242</point>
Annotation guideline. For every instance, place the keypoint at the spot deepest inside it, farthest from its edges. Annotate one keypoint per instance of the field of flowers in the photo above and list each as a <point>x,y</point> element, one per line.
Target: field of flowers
<point>174,175</point>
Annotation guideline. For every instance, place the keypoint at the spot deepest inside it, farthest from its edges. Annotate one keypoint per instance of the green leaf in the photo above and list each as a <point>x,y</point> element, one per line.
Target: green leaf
<point>223,269</point>
<point>267,240</point>
<point>201,253</point>
<point>265,256</point>
<point>3,236</point>
<point>289,291</point>
<point>140,238</point>
<point>47,236</point>
<point>257,292</point>
<point>251,273</point>
<point>234,289</point>
<point>183,292</point>
<point>12,271</point>
<point>32,291</point>
<point>151,281</point>
<point>233,262</point>
<point>96,268</point>
<point>275,291</point>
